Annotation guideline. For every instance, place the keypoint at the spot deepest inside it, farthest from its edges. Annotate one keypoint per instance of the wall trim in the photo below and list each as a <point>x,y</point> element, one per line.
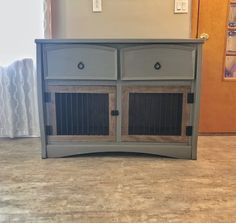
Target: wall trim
<point>47,19</point>
<point>195,18</point>
<point>217,133</point>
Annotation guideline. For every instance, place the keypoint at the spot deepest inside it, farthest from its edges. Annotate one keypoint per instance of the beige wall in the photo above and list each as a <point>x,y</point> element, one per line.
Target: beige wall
<point>119,19</point>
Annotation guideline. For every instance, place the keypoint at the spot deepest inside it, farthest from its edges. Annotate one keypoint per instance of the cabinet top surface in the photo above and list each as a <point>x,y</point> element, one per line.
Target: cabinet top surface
<point>163,41</point>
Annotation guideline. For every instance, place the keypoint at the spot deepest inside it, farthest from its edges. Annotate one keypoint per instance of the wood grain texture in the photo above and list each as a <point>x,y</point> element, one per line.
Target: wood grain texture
<point>47,19</point>
<point>80,89</point>
<point>80,138</point>
<point>125,111</point>
<point>218,97</point>
<point>194,17</point>
<point>117,188</point>
<point>155,138</point>
<point>112,119</point>
<point>110,90</point>
<point>53,114</point>
<point>155,89</point>
<point>185,115</point>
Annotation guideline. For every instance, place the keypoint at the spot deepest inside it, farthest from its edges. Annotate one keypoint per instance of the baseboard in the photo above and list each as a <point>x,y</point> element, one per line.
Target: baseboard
<point>217,133</point>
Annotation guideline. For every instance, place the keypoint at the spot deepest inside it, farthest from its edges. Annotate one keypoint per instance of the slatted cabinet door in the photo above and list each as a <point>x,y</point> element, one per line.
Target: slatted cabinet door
<point>156,114</point>
<point>81,113</point>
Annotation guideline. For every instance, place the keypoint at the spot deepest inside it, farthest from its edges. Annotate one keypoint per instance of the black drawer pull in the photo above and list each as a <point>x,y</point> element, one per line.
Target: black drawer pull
<point>80,66</point>
<point>157,66</point>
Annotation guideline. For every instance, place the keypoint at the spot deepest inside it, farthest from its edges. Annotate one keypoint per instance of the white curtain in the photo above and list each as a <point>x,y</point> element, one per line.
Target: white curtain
<point>18,100</point>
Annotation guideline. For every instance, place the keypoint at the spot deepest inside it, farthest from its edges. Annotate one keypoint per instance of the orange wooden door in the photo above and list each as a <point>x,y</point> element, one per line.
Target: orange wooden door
<point>218,96</point>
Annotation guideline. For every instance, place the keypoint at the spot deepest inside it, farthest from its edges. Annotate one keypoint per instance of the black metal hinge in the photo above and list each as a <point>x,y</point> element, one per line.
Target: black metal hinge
<point>47,97</point>
<point>48,130</point>
<point>189,130</point>
<point>114,112</point>
<point>190,98</point>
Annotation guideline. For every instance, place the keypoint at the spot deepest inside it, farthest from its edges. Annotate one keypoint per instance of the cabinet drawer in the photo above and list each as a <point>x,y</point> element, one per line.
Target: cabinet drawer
<point>157,62</point>
<point>76,61</point>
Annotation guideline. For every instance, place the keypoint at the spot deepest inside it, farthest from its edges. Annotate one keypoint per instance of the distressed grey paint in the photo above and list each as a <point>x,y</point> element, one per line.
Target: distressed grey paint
<point>62,61</point>
<point>120,41</point>
<point>176,62</point>
<point>41,107</point>
<point>197,103</point>
<point>175,151</point>
<point>192,79</point>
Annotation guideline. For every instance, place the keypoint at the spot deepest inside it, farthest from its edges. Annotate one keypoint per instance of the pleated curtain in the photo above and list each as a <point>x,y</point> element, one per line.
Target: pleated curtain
<point>18,100</point>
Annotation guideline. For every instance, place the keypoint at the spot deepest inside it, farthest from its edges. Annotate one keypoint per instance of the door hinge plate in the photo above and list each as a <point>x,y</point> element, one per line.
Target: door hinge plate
<point>47,97</point>
<point>48,130</point>
<point>190,98</point>
<point>114,112</point>
<point>189,130</point>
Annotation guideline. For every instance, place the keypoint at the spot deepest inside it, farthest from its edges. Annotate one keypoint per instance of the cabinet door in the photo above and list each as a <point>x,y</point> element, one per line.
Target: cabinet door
<point>81,113</point>
<point>156,114</point>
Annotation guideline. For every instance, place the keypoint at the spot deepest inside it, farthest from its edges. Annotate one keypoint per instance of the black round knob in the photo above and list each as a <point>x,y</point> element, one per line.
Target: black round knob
<point>157,66</point>
<point>81,65</point>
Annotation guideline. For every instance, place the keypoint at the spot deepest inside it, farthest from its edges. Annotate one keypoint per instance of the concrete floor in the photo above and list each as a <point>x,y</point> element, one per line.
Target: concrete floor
<point>118,188</point>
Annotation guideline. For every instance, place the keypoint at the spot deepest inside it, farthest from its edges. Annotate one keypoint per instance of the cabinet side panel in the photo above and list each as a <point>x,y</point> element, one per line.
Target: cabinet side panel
<point>197,102</point>
<point>41,106</point>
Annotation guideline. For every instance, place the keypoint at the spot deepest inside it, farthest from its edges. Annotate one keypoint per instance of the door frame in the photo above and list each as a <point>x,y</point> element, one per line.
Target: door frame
<point>186,119</point>
<point>54,138</point>
<point>195,18</point>
<point>222,120</point>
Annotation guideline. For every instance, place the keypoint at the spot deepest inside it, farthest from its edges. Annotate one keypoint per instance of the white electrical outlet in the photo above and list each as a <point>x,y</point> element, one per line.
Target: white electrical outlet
<point>97,5</point>
<point>181,6</point>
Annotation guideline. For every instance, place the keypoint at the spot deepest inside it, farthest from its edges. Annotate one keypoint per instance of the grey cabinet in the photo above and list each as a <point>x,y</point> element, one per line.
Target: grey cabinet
<point>119,95</point>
